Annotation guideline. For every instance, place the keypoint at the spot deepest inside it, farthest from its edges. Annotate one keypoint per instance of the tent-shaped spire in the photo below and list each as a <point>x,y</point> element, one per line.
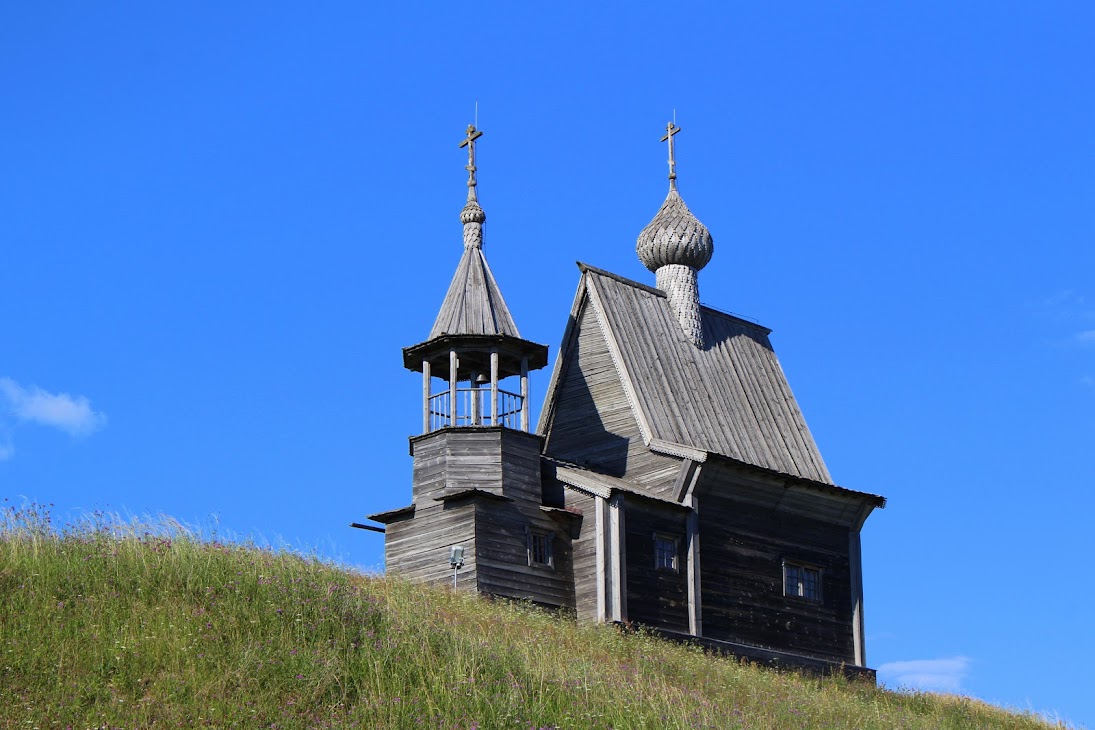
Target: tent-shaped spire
<point>474,303</point>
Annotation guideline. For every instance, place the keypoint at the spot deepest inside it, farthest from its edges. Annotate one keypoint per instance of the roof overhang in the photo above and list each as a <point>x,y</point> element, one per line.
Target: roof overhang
<point>600,485</point>
<point>391,515</point>
<point>474,354</point>
<point>472,493</point>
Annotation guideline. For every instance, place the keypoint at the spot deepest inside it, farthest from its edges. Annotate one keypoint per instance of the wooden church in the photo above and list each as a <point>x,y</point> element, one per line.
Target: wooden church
<point>671,481</point>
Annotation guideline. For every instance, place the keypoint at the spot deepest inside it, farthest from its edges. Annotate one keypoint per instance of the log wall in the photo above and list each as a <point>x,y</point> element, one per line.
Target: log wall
<point>744,548</point>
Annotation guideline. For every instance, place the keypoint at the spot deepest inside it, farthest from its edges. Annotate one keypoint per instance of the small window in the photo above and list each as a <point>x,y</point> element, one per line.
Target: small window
<point>802,581</point>
<point>665,552</point>
<point>539,548</point>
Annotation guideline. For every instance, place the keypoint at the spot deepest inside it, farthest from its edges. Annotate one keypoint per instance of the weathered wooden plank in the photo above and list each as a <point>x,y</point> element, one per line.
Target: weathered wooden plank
<point>502,557</point>
<point>742,579</point>
<point>655,597</point>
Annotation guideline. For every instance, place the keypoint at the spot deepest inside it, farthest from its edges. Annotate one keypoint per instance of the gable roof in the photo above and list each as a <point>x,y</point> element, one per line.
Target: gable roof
<point>729,397</point>
<point>474,303</point>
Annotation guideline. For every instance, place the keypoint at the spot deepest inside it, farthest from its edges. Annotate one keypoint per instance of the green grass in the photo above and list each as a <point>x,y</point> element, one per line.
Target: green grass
<point>127,625</point>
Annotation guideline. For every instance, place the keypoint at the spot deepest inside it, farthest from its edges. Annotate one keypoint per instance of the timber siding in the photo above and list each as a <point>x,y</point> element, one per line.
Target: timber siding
<point>744,547</point>
<point>501,548</point>
<point>655,597</point>
<point>584,556</point>
<point>417,547</point>
<point>488,458</point>
<point>593,424</point>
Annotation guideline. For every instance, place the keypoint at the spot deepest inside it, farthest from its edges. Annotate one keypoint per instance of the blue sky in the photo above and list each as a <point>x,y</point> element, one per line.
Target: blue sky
<point>220,222</point>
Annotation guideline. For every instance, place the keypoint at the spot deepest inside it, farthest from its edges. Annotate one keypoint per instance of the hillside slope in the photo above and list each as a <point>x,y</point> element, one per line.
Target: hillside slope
<point>130,626</point>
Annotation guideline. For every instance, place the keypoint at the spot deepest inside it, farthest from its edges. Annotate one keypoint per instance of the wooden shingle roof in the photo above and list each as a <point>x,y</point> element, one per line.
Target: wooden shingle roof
<point>729,397</point>
<point>474,303</point>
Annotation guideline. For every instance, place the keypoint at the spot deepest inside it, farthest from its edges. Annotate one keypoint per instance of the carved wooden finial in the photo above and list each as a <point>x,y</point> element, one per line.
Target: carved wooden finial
<point>670,130</point>
<point>469,142</point>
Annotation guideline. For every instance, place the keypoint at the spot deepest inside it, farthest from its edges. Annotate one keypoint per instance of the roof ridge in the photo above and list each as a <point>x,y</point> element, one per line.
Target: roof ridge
<point>584,267</point>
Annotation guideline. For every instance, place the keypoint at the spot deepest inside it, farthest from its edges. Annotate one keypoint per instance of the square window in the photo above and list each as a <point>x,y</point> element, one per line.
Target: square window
<point>665,552</point>
<point>802,581</point>
<point>539,548</point>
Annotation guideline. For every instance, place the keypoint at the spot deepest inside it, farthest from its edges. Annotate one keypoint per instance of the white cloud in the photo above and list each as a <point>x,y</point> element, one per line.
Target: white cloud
<point>928,675</point>
<point>72,414</point>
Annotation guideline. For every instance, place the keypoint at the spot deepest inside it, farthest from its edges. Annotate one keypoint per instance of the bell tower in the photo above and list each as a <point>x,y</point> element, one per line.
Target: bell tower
<point>477,481</point>
<point>474,344</point>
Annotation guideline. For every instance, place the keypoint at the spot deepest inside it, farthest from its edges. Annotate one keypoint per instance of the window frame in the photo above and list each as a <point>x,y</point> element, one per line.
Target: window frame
<point>532,535</point>
<point>802,584</point>
<point>675,542</point>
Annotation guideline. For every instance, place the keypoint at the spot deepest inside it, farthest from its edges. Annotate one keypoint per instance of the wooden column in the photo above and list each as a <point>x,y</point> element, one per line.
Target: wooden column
<point>617,582</point>
<point>425,396</point>
<point>475,415</point>
<point>524,393</point>
<point>494,387</point>
<point>695,603</point>
<point>600,539</point>
<point>855,565</point>
<point>453,364</point>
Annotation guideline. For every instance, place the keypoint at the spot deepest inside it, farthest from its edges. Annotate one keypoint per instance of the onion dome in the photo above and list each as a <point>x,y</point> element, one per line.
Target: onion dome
<point>675,236</point>
<point>472,213</point>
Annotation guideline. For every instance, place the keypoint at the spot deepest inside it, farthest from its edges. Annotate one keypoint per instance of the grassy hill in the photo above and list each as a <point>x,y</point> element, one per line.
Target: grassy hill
<point>106,625</point>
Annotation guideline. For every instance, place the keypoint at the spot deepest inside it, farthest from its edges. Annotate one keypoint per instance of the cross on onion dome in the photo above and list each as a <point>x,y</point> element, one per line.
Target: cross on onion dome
<point>670,130</point>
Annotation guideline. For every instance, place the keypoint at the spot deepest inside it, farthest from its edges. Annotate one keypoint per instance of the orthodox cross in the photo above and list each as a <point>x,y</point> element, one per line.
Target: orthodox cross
<point>670,130</point>
<point>469,142</point>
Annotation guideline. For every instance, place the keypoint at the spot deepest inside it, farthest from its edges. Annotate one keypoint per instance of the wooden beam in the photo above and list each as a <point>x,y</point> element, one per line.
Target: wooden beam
<point>617,558</point>
<point>454,363</point>
<point>695,598</point>
<point>494,386</point>
<point>686,480</point>
<point>425,396</point>
<point>855,565</point>
<point>524,393</point>
<point>600,540</point>
<point>476,420</point>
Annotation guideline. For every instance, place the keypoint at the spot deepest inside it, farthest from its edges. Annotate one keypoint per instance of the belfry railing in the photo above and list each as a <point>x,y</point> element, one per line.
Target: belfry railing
<point>473,408</point>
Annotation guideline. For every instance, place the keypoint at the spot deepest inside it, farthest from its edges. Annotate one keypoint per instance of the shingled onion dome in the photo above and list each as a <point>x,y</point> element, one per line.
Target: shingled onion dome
<point>473,217</point>
<point>675,246</point>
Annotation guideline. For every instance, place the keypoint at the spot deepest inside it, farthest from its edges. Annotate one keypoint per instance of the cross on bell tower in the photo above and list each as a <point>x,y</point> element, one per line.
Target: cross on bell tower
<point>469,142</point>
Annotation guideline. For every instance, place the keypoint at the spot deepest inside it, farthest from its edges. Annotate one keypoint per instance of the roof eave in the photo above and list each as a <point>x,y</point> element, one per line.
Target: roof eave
<point>438,347</point>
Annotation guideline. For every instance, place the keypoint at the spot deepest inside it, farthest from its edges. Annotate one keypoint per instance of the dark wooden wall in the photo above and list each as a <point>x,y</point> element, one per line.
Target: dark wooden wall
<point>521,476</point>
<point>743,549</point>
<point>502,559</point>
<point>655,597</point>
